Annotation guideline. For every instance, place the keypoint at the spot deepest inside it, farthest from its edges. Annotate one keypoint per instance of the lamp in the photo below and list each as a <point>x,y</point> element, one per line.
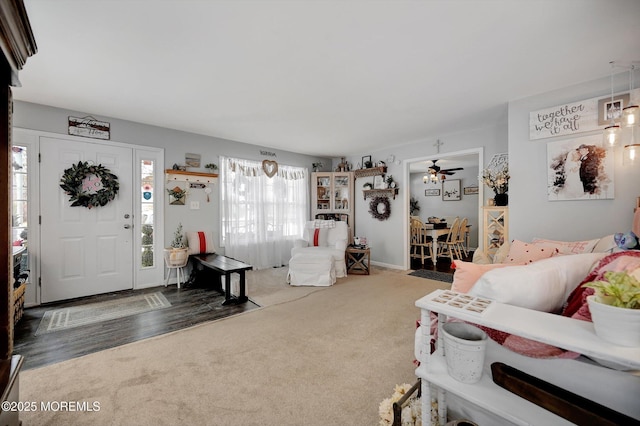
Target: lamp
<point>631,114</point>
<point>630,124</point>
<point>612,131</point>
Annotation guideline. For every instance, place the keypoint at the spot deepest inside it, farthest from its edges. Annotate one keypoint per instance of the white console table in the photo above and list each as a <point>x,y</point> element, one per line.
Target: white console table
<point>618,387</point>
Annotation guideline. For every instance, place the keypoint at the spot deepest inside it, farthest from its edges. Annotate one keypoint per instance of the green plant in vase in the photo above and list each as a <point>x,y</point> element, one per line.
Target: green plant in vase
<point>617,289</point>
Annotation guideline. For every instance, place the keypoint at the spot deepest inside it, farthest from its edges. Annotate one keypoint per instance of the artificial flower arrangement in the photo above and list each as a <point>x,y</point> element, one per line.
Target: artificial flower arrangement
<point>411,412</point>
<point>177,192</point>
<point>498,180</point>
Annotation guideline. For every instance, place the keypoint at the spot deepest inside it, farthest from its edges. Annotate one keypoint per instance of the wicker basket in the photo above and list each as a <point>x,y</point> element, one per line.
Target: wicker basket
<point>176,258</point>
<point>18,302</point>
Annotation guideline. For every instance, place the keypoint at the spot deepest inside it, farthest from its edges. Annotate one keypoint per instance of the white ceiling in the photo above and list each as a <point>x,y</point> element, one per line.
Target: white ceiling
<point>327,78</point>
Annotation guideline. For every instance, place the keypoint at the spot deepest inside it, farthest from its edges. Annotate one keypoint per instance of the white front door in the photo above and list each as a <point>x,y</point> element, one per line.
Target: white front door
<point>84,251</point>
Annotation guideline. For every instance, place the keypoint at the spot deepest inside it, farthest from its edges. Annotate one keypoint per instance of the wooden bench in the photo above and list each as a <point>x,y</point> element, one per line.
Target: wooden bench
<point>225,266</point>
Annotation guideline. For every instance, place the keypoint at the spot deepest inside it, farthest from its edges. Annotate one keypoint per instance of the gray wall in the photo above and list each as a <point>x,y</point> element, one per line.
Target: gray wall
<point>530,213</point>
<point>175,144</point>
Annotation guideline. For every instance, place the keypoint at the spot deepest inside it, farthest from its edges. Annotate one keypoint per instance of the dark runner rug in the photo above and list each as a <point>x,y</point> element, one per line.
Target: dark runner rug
<point>433,275</point>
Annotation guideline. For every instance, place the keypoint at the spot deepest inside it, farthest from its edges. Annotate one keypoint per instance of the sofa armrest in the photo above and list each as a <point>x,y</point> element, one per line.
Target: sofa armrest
<point>300,243</point>
<point>341,245</point>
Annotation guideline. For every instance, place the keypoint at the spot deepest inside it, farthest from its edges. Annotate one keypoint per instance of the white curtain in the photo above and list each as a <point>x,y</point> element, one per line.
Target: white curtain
<point>261,215</point>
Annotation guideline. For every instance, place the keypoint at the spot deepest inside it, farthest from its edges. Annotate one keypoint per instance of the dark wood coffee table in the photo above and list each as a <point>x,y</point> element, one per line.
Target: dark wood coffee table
<point>223,265</point>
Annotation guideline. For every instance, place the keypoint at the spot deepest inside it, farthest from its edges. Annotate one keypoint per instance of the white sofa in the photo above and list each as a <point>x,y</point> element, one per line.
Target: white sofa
<point>337,239</point>
<point>544,285</point>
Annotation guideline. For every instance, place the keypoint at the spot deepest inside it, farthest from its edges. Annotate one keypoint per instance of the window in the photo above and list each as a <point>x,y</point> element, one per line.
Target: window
<point>146,212</point>
<point>262,216</point>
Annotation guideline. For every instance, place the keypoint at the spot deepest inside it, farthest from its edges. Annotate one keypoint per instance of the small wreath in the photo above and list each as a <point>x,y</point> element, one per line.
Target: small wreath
<point>89,185</point>
<point>378,204</point>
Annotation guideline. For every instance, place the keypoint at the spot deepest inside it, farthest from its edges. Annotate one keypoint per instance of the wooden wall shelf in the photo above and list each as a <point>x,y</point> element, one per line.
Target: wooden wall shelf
<point>182,176</point>
<point>371,171</point>
<point>391,192</point>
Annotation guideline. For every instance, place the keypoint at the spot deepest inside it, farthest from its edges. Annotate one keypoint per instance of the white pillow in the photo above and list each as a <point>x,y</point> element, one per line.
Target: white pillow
<point>200,242</point>
<point>543,285</point>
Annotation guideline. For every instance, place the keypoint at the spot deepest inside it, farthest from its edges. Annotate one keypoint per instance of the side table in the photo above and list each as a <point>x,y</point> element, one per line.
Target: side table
<point>358,260</point>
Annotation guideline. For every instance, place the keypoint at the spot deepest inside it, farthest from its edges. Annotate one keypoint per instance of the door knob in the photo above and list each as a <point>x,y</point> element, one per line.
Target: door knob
<point>127,226</point>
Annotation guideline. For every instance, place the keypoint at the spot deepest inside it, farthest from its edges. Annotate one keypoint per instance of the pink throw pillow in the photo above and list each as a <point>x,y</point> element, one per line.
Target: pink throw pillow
<point>524,253</point>
<point>467,273</point>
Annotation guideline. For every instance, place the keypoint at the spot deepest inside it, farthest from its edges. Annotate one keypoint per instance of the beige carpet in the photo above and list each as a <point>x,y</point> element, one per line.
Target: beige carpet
<point>327,356</point>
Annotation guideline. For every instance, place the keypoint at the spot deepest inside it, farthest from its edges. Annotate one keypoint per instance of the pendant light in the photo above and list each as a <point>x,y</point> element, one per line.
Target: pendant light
<point>630,125</point>
<point>631,114</point>
<point>612,131</point>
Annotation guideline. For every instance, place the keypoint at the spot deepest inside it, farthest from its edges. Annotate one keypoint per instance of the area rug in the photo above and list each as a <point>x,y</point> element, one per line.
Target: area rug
<point>433,275</point>
<point>65,318</point>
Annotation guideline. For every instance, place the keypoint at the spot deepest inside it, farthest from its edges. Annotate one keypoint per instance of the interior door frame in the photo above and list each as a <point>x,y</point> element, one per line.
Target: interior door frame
<point>407,194</point>
<point>142,277</point>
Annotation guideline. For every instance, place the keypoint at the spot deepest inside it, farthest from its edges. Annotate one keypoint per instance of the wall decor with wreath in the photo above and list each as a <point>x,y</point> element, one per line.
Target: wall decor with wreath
<point>380,208</point>
<point>89,185</point>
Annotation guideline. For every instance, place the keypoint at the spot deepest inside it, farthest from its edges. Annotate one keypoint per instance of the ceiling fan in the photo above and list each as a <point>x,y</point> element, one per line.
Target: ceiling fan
<point>435,169</point>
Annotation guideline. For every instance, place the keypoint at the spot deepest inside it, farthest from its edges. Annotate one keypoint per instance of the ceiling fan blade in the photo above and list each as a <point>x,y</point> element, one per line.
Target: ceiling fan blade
<point>453,169</point>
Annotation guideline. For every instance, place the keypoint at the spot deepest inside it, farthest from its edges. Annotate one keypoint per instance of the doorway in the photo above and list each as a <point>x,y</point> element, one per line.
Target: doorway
<point>77,251</point>
<point>473,159</point>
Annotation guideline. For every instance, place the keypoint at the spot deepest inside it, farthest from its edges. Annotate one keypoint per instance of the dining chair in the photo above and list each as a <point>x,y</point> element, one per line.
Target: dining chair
<point>462,238</point>
<point>421,242</point>
<point>448,243</point>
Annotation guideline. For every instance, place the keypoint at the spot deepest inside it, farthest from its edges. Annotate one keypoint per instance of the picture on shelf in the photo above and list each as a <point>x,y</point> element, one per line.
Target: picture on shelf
<point>379,182</point>
<point>366,162</point>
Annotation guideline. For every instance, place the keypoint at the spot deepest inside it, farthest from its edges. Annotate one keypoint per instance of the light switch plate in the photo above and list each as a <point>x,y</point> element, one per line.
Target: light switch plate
<point>195,205</point>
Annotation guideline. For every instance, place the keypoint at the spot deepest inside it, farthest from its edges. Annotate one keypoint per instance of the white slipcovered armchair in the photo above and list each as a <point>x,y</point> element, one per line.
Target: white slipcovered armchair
<point>332,237</point>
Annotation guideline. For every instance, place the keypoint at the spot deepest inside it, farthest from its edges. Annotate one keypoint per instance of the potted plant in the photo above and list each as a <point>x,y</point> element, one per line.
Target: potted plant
<point>413,206</point>
<point>212,167</point>
<point>176,255</point>
<point>615,308</point>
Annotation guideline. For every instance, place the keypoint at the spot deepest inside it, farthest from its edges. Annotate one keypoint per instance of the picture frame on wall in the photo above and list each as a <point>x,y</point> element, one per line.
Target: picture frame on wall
<point>611,109</point>
<point>471,190</point>
<point>580,169</point>
<point>432,192</point>
<point>451,190</point>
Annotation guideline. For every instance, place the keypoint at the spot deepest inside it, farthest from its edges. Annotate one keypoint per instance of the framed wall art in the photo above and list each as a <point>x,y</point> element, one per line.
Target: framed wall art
<point>451,190</point>
<point>431,192</point>
<point>470,190</point>
<point>579,169</point>
<point>611,110</point>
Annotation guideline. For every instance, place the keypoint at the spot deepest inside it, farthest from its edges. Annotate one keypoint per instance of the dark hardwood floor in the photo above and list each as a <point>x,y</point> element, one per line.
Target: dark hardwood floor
<point>443,264</point>
<point>189,306</point>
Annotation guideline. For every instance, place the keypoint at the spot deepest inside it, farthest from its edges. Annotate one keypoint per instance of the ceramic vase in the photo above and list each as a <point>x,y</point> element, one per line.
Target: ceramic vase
<point>501,199</point>
<point>620,326</point>
<point>464,349</point>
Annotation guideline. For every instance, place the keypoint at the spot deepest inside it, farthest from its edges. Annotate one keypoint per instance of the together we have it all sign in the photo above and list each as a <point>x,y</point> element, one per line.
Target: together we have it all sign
<point>576,117</point>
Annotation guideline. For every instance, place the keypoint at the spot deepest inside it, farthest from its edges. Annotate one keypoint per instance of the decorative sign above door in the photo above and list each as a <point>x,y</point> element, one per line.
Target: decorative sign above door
<point>89,127</point>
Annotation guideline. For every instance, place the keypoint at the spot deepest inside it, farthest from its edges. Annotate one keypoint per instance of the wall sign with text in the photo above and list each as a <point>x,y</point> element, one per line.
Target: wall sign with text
<point>578,117</point>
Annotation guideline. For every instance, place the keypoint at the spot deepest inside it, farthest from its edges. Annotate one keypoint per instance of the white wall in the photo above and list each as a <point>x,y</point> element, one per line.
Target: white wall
<point>530,213</point>
<point>176,144</point>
